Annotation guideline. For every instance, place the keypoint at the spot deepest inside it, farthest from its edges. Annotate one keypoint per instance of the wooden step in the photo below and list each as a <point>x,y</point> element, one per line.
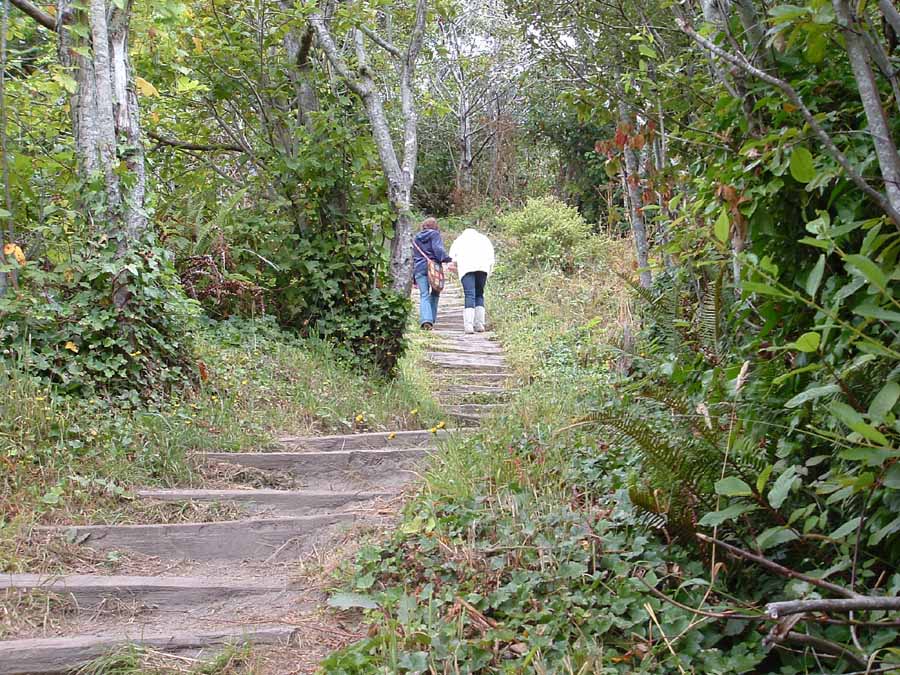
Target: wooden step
<point>295,502</point>
<point>384,468</point>
<point>474,389</point>
<point>250,539</point>
<point>480,363</point>
<point>44,656</point>
<point>477,410</point>
<point>91,591</point>
<point>419,438</point>
<point>464,347</point>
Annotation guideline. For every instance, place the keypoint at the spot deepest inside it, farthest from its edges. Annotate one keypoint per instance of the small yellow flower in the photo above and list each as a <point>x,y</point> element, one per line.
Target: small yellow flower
<point>40,398</point>
<point>433,430</point>
<point>441,424</point>
<point>136,354</point>
<point>243,381</point>
<point>71,346</point>
<point>359,418</point>
<point>414,411</point>
<point>392,436</point>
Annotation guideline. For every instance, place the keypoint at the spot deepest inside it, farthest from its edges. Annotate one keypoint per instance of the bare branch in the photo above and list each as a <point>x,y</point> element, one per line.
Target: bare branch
<point>381,42</point>
<point>891,14</point>
<point>864,603</point>
<point>36,13</point>
<point>197,147</point>
<point>779,569</point>
<point>317,21</point>
<point>824,646</point>
<point>794,97</point>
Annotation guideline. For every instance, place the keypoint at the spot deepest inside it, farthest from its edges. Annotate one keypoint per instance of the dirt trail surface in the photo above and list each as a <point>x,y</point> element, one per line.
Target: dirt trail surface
<point>188,589</point>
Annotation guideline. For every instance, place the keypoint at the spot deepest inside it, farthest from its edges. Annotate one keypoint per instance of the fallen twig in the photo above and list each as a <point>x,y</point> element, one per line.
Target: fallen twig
<point>779,569</point>
<point>862,603</point>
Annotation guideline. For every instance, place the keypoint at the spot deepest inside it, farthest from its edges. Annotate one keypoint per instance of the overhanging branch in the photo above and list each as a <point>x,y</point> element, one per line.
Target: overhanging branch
<point>794,97</point>
<point>197,147</point>
<point>36,13</point>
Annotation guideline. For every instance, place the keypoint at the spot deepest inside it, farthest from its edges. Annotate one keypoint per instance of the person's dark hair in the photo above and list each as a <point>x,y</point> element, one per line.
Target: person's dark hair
<point>430,224</point>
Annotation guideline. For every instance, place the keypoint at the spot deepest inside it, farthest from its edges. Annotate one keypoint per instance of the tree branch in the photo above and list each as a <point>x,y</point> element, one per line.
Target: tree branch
<point>824,646</point>
<point>36,13</point>
<point>317,21</point>
<point>779,569</point>
<point>381,42</point>
<point>862,603</point>
<point>794,97</point>
<point>198,147</point>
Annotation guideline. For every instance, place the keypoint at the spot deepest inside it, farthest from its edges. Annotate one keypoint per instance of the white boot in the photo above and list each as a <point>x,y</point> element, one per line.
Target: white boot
<point>479,319</point>
<point>469,319</point>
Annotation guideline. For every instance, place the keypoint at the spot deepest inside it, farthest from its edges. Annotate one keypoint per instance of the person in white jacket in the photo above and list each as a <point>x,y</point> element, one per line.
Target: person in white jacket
<point>473,256</point>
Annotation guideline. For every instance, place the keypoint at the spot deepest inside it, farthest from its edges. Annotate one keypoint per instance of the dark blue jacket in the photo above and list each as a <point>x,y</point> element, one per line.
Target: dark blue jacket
<point>431,243</point>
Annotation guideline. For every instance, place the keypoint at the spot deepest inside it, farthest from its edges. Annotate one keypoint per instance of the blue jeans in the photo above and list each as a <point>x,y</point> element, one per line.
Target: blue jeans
<point>428,301</point>
<point>473,288</point>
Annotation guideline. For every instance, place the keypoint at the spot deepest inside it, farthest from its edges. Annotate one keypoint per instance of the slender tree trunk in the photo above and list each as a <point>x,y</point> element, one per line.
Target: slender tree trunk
<point>885,148</point>
<point>7,198</point>
<point>633,190</point>
<point>105,119</point>
<point>399,176</point>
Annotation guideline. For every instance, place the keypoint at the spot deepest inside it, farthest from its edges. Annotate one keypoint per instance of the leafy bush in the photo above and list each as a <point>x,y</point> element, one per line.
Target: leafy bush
<point>548,234</point>
<point>372,329</point>
<point>65,325</point>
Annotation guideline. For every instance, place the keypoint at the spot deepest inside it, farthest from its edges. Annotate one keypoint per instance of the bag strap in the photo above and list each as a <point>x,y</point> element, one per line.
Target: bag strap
<point>423,252</point>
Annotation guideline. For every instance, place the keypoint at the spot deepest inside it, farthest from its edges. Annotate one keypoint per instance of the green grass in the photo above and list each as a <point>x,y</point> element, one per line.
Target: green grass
<point>75,460</point>
<point>133,660</point>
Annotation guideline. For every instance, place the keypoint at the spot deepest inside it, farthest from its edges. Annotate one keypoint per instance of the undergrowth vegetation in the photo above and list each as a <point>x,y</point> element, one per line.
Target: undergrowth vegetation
<point>63,456</point>
<point>636,507</point>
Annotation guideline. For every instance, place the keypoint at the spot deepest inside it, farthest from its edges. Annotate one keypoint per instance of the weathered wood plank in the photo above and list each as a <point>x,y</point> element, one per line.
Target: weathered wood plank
<point>91,590</point>
<point>46,656</point>
<point>250,539</point>
<point>386,468</point>
<point>287,501</point>
<point>419,438</point>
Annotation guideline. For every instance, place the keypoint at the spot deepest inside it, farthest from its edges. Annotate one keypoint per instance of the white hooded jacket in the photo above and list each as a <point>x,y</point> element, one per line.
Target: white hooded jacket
<point>472,252</point>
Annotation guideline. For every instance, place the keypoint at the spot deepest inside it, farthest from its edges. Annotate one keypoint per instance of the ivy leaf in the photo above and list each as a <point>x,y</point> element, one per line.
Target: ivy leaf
<point>775,536</point>
<point>815,277</point>
<point>714,518</point>
<point>870,270</point>
<point>808,342</point>
<point>722,226</point>
<point>351,600</point>
<point>782,487</point>
<point>733,487</point>
<point>884,402</point>
<point>803,169</point>
<point>811,394</point>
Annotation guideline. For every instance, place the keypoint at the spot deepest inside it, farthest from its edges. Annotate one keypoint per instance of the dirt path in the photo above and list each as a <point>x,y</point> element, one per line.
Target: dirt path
<point>188,589</point>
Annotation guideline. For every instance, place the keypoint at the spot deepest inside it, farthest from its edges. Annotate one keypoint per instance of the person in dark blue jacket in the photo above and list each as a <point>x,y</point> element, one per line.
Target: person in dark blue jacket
<point>428,242</point>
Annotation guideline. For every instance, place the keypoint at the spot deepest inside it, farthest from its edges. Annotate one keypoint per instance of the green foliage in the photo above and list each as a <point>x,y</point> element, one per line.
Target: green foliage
<point>549,234</point>
<point>64,324</point>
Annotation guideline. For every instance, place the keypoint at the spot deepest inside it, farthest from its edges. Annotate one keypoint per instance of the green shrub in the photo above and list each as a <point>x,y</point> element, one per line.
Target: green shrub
<point>548,234</point>
<point>62,322</point>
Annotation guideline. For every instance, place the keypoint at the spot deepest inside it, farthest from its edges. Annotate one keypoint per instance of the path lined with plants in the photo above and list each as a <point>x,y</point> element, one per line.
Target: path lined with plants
<point>248,569</point>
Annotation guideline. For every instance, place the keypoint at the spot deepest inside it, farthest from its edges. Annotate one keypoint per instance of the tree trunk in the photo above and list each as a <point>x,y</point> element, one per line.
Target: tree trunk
<point>105,117</point>
<point>885,148</point>
<point>633,189</point>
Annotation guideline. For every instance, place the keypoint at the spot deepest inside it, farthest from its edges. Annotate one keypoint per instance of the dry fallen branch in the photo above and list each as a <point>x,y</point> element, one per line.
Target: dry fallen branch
<point>779,569</point>
<point>869,603</point>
